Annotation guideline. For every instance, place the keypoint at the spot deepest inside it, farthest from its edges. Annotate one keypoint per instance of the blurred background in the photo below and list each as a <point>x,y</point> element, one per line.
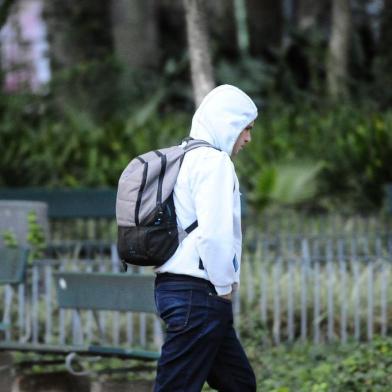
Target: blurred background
<point>88,85</point>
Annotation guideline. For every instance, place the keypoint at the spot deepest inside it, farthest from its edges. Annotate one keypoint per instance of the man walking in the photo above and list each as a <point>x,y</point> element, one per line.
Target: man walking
<point>193,289</point>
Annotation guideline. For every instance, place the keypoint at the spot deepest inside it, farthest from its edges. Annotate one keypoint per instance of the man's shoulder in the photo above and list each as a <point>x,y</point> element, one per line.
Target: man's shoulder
<point>205,161</point>
<point>209,153</point>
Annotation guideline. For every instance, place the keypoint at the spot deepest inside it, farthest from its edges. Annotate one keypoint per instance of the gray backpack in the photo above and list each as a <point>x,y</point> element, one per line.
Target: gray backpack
<point>148,234</point>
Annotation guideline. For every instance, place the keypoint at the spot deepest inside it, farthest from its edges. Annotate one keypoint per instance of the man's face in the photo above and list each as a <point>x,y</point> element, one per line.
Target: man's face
<point>243,139</point>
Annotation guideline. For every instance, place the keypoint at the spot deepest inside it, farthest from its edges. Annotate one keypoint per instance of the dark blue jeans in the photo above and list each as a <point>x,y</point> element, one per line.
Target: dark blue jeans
<point>200,344</point>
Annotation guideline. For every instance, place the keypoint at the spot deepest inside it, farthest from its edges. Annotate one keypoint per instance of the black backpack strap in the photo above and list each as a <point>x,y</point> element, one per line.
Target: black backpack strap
<point>192,227</point>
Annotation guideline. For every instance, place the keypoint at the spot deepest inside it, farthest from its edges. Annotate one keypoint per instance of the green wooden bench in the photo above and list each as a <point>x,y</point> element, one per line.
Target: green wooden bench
<point>86,291</point>
<point>99,291</point>
<point>82,291</point>
<point>68,203</point>
<point>105,291</point>
<point>74,215</point>
<point>13,264</point>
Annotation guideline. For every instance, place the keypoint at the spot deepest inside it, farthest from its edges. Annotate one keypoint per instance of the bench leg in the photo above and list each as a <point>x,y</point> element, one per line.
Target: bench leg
<point>6,371</point>
<point>77,327</point>
<point>101,331</point>
<point>8,293</point>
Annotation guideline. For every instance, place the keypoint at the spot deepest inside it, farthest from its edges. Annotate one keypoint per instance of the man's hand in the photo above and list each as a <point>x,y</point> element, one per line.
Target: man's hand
<point>226,296</point>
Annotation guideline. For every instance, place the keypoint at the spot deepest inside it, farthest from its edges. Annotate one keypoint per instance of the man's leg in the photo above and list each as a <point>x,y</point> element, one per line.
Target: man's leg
<point>231,371</point>
<point>196,325</point>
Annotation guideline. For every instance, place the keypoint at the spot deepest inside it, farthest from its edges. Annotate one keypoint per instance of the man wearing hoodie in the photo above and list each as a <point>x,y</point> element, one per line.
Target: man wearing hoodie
<point>193,289</point>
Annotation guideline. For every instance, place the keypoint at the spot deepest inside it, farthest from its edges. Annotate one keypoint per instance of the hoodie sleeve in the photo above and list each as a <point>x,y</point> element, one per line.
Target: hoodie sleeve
<point>212,189</point>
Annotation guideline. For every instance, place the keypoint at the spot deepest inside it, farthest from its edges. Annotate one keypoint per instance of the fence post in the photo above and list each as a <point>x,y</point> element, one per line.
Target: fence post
<point>330,286</point>
<point>304,287</point>
<point>316,273</point>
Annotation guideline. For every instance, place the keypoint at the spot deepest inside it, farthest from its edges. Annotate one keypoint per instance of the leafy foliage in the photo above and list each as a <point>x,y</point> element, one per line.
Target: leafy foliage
<point>35,237</point>
<point>342,152</point>
<point>76,151</point>
<point>9,239</point>
<point>286,184</point>
<point>307,368</point>
<point>302,154</point>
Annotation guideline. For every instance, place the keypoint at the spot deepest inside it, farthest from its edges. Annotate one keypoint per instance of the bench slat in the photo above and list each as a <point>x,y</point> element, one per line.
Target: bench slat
<point>103,351</point>
<point>105,291</point>
<point>68,203</point>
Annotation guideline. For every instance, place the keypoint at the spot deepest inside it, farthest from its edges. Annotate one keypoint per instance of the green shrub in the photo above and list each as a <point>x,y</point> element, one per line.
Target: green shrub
<point>317,156</point>
<point>76,151</point>
<point>349,145</point>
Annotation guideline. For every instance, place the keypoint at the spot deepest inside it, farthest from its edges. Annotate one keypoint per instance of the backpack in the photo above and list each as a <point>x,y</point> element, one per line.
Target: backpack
<point>148,234</point>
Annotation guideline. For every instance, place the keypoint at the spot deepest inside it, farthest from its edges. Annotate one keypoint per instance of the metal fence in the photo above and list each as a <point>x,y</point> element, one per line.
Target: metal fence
<point>31,308</point>
<point>282,223</point>
<point>318,288</point>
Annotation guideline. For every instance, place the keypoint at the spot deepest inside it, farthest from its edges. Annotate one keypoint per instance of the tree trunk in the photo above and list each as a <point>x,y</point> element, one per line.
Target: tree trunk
<point>172,25</point>
<point>80,45</point>
<point>310,14</point>
<point>199,52</point>
<point>222,27</point>
<point>265,25</point>
<point>78,31</point>
<point>134,28</point>
<point>242,30</point>
<point>384,58</point>
<point>337,63</point>
<point>386,30</point>
<point>220,24</point>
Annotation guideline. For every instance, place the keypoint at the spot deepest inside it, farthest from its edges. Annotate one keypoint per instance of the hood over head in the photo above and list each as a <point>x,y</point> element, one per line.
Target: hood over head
<point>222,115</point>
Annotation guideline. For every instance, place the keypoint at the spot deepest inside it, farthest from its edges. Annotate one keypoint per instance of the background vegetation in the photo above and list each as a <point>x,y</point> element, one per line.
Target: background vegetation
<point>297,368</point>
<point>112,97</point>
<point>317,157</point>
<point>353,367</point>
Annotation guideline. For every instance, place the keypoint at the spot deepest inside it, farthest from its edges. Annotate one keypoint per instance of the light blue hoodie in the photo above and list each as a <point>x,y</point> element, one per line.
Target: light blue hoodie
<point>207,189</point>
